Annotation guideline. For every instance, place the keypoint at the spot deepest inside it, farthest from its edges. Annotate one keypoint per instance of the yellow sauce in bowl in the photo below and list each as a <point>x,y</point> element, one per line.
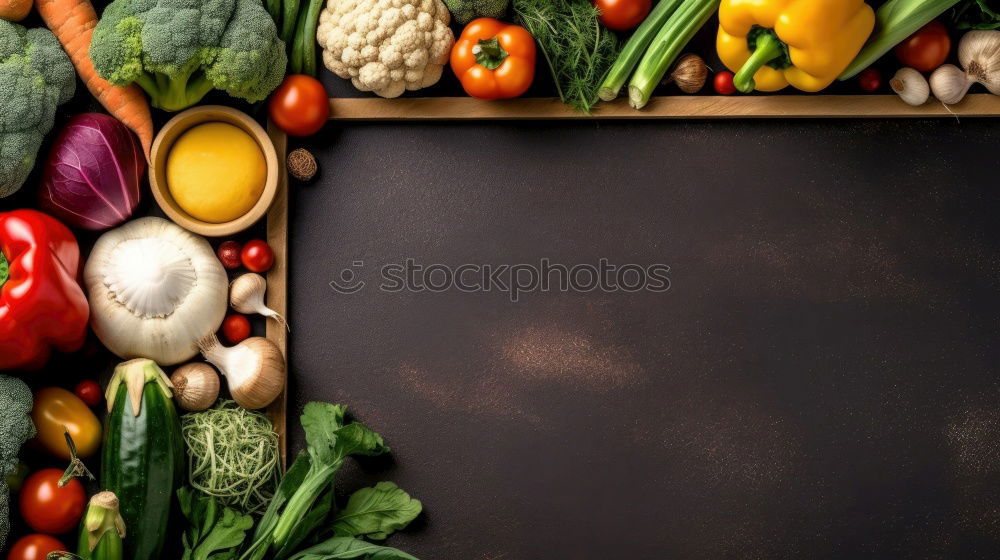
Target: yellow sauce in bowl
<point>216,172</point>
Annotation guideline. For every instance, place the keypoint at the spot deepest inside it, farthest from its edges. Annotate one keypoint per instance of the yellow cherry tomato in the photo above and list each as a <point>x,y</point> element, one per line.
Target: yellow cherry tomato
<point>57,411</point>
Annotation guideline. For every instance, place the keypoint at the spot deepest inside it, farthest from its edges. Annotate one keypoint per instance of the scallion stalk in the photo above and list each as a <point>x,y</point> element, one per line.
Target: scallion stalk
<point>895,20</point>
<point>635,47</point>
<point>675,34</point>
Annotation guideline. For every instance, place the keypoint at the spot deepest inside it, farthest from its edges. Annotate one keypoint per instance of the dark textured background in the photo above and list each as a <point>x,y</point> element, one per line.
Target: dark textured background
<point>819,382</point>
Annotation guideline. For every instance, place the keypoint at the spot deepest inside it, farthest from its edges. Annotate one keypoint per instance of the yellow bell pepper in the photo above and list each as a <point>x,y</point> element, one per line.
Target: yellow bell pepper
<point>805,43</point>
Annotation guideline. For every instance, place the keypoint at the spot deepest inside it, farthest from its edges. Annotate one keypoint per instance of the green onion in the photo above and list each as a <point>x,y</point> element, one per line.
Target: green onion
<point>895,20</point>
<point>636,45</point>
<point>675,34</point>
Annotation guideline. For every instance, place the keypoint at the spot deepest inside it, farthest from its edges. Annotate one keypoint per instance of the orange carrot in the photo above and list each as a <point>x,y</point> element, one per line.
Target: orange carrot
<point>72,22</point>
<point>14,10</point>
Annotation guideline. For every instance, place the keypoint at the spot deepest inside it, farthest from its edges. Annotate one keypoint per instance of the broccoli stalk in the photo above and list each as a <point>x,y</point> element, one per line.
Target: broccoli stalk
<point>173,93</point>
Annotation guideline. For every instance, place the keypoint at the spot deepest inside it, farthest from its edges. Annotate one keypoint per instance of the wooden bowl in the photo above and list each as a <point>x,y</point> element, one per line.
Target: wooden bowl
<point>158,168</point>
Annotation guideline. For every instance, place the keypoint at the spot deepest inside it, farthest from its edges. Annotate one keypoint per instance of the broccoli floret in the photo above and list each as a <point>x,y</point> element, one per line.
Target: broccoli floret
<point>179,50</point>
<point>15,429</point>
<point>36,76</point>
<point>464,11</point>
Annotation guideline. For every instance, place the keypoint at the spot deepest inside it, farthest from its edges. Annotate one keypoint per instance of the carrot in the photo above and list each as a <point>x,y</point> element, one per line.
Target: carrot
<point>14,10</point>
<point>72,22</point>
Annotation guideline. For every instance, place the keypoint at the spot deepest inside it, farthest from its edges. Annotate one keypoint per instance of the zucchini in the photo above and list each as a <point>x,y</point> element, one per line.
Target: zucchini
<point>102,529</point>
<point>143,454</point>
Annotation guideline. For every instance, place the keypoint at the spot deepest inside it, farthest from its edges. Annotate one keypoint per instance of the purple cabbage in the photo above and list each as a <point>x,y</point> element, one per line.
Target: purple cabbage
<point>94,173</point>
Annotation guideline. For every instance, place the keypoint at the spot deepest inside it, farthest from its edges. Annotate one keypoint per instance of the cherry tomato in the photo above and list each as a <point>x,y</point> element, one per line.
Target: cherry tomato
<point>89,392</point>
<point>870,80</point>
<point>926,49</point>
<point>723,83</point>
<point>57,411</point>
<point>229,254</point>
<point>622,15</point>
<point>300,106</point>
<point>257,256</point>
<point>236,328</point>
<point>35,547</point>
<point>46,507</point>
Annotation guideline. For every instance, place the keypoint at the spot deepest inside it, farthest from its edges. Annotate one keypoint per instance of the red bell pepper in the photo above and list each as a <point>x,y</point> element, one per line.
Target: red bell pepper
<point>42,306</point>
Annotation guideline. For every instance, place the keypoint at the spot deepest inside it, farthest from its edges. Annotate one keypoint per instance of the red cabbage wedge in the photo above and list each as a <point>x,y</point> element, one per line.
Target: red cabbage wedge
<point>94,173</point>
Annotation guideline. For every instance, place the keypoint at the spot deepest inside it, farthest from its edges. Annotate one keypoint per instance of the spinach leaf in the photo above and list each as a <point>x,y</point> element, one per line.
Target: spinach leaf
<point>346,547</point>
<point>376,512</point>
<point>321,421</point>
<point>976,14</point>
<point>305,528</point>
<point>214,531</point>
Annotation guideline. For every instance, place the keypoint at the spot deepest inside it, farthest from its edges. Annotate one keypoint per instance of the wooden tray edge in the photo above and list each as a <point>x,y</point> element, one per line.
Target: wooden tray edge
<point>668,107</point>
<point>277,282</point>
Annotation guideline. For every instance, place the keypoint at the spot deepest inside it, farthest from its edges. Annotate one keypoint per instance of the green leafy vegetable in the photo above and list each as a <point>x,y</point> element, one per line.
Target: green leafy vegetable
<point>376,512</point>
<point>578,49</point>
<point>214,531</point>
<point>976,14</point>
<point>328,443</point>
<point>346,547</point>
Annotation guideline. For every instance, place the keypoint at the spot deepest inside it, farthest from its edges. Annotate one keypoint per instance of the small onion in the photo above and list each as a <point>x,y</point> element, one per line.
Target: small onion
<point>196,386</point>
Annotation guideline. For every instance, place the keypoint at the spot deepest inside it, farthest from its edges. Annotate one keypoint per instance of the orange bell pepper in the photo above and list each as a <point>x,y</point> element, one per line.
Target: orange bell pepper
<point>493,59</point>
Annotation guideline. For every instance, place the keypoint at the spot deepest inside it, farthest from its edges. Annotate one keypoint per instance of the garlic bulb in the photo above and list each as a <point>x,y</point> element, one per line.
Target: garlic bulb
<point>246,295</point>
<point>155,290</point>
<point>911,86</point>
<point>254,369</point>
<point>979,55</point>
<point>196,386</point>
<point>949,84</point>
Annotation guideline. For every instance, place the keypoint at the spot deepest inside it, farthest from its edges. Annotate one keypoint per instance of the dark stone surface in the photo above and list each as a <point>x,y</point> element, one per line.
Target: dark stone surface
<point>820,381</point>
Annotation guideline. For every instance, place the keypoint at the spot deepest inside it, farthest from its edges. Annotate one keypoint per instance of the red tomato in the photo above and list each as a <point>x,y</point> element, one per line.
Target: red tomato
<point>89,392</point>
<point>35,547</point>
<point>622,15</point>
<point>257,256</point>
<point>46,507</point>
<point>870,80</point>
<point>229,254</point>
<point>236,328</point>
<point>926,49</point>
<point>723,83</point>
<point>300,106</point>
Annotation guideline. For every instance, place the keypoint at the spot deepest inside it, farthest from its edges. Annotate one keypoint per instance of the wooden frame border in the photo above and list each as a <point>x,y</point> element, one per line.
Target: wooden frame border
<point>277,282</point>
<point>667,107</point>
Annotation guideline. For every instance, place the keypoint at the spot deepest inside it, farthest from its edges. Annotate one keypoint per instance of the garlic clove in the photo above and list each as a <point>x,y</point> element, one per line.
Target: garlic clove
<point>196,386</point>
<point>254,369</point>
<point>246,295</point>
<point>911,86</point>
<point>690,73</point>
<point>949,84</point>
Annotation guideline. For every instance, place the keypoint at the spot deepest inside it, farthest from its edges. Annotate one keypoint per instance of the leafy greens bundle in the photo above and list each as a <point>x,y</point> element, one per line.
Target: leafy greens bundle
<point>302,521</point>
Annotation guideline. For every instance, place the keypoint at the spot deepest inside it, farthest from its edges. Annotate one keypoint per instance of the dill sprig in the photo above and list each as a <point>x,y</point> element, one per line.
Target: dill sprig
<point>577,48</point>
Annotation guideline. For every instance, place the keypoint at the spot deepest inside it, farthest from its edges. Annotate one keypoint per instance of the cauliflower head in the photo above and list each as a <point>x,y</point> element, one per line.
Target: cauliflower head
<point>179,50</point>
<point>36,76</point>
<point>386,46</point>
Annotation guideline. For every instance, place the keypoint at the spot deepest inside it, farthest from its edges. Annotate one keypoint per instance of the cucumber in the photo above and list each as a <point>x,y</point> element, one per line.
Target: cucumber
<point>143,454</point>
<point>102,529</point>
